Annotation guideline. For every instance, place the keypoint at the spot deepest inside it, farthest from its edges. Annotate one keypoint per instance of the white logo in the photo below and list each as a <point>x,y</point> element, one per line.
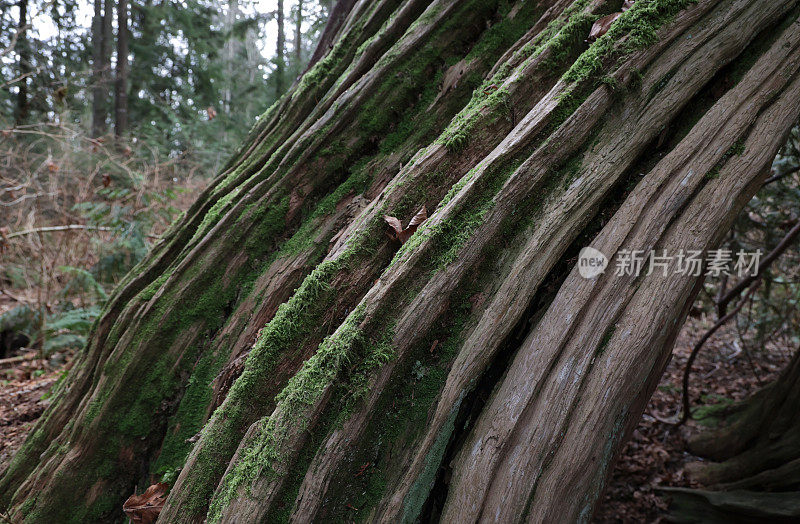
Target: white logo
<point>591,262</point>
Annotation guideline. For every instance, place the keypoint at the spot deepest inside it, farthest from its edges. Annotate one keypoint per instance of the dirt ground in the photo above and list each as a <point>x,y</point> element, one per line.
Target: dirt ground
<point>655,455</point>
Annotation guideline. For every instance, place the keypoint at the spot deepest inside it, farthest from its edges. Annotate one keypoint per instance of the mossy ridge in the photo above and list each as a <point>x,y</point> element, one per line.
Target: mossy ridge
<point>303,390</point>
<point>355,246</point>
<point>418,68</point>
<point>381,429</point>
<point>449,236</point>
<point>221,434</point>
<point>161,377</point>
<point>414,70</point>
<point>188,418</point>
<point>406,402</point>
<point>491,98</point>
<point>359,179</point>
<point>638,26</point>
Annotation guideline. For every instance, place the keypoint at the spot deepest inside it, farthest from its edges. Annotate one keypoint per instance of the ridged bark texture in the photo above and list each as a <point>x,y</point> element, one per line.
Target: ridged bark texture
<point>278,357</point>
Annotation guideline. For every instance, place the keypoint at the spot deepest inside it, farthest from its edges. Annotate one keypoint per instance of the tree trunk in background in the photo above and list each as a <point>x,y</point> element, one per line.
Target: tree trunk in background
<point>99,71</point>
<point>108,41</point>
<point>336,17</point>
<point>23,47</point>
<point>278,357</point>
<point>298,35</point>
<point>121,81</point>
<point>280,53</point>
<point>230,53</point>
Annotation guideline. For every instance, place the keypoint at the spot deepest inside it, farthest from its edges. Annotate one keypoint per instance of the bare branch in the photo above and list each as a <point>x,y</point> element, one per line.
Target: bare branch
<point>69,227</point>
<point>736,290</point>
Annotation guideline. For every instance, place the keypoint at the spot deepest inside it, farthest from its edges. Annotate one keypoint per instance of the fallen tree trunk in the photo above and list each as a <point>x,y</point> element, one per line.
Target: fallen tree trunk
<point>754,471</point>
<point>757,447</point>
<point>471,373</point>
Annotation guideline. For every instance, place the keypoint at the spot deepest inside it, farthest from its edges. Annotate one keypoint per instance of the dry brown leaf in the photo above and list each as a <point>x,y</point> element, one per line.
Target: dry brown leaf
<point>404,234</point>
<point>394,224</point>
<point>419,218</point>
<point>106,180</point>
<point>145,508</point>
<point>602,26</point>
<point>3,238</point>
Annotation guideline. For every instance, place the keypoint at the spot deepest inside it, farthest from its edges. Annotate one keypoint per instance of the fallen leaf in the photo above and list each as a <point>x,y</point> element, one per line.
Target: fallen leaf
<point>602,26</point>
<point>106,180</point>
<point>145,508</point>
<point>404,234</point>
<point>394,224</point>
<point>3,238</point>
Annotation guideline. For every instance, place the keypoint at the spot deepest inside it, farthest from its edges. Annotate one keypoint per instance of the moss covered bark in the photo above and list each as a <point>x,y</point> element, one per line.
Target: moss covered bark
<point>278,357</point>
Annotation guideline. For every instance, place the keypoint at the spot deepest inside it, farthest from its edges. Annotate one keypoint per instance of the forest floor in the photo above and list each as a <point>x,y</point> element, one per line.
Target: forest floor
<point>655,456</point>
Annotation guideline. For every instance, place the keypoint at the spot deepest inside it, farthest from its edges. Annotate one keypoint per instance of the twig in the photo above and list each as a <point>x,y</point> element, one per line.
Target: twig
<point>13,43</point>
<point>5,362</point>
<point>736,290</point>
<point>775,178</point>
<point>25,197</point>
<point>69,227</point>
<point>9,295</point>
<point>687,372</point>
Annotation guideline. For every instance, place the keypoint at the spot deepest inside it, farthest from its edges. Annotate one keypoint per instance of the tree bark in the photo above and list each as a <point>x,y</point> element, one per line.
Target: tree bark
<point>280,53</point>
<point>298,35</point>
<point>121,82</point>
<point>279,357</point>
<point>24,64</point>
<point>758,446</point>
<point>100,64</point>
<point>231,45</point>
<point>754,466</point>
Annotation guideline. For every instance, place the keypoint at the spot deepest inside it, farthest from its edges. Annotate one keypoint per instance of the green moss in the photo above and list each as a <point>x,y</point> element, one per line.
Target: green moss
<point>152,288</point>
<point>637,26</point>
<point>27,506</point>
<point>736,149</point>
<point>303,390</point>
<point>710,415</point>
<point>562,38</point>
<point>418,494</point>
<point>280,335</point>
<point>188,418</point>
